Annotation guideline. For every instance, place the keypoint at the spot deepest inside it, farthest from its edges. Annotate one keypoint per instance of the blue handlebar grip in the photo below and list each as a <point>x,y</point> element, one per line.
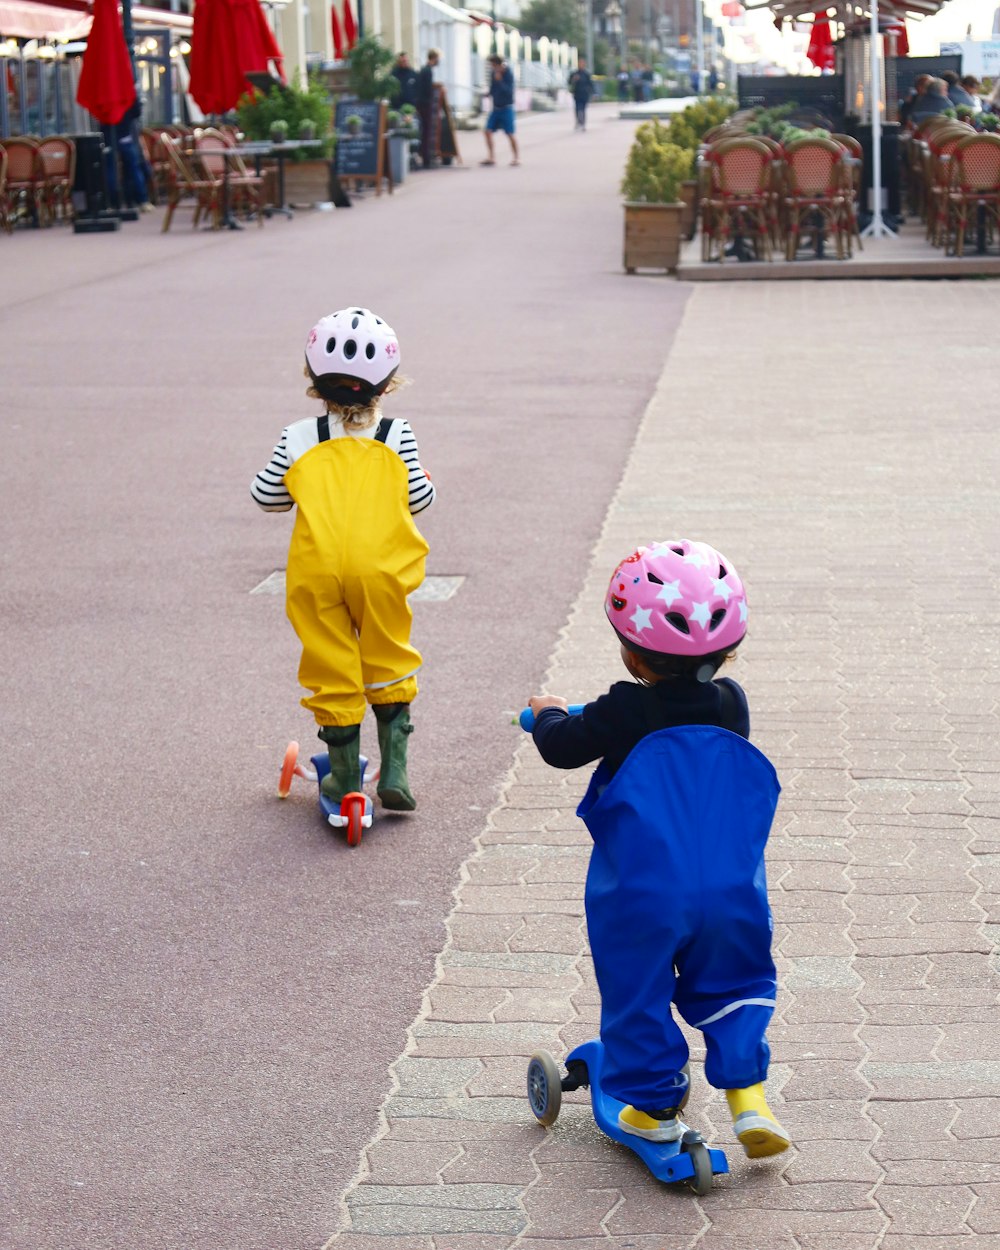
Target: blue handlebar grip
<point>527,717</point>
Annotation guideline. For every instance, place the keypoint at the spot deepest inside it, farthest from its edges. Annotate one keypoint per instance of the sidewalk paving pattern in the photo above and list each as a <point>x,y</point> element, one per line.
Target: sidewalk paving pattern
<point>852,478</point>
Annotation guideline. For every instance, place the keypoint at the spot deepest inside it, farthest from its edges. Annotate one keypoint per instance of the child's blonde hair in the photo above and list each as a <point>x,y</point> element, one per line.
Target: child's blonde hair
<point>356,416</point>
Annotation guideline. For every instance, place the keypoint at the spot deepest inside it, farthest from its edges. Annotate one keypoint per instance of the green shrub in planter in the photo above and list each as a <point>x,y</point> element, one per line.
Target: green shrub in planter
<point>369,74</point>
<point>294,106</point>
<point>656,167</point>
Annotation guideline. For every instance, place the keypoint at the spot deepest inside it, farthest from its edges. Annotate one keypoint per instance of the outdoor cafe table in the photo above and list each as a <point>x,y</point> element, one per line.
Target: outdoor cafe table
<point>280,153</point>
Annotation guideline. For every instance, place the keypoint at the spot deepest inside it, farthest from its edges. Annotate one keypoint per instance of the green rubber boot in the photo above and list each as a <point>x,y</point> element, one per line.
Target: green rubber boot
<point>393,720</point>
<point>344,776</point>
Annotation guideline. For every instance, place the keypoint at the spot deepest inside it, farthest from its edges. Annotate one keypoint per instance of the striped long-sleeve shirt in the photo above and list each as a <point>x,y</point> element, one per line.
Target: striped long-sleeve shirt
<point>268,487</point>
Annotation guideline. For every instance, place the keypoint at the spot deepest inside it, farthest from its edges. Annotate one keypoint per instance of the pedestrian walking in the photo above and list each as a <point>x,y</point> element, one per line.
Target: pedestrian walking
<point>502,116</point>
<point>356,480</point>
<point>679,810</point>
<point>581,84</point>
<point>424,93</point>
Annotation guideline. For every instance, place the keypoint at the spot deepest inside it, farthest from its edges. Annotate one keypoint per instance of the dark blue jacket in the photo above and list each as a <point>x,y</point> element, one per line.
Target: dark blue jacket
<point>502,89</point>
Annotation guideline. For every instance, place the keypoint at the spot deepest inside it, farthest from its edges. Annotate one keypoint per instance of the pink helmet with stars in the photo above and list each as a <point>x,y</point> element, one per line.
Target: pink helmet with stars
<point>677,598</point>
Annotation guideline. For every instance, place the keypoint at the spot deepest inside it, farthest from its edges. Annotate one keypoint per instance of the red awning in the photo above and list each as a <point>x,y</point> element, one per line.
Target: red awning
<point>106,88</point>
<point>30,19</point>
<point>24,19</point>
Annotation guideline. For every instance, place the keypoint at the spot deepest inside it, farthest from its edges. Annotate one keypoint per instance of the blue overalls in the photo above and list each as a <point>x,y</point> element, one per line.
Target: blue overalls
<point>677,911</point>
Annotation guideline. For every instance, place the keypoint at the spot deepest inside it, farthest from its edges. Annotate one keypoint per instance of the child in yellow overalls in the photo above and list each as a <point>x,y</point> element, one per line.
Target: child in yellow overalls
<point>355,553</point>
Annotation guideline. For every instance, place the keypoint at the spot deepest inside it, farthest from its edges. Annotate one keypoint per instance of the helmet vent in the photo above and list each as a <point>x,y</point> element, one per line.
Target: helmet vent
<point>718,616</point>
<point>679,622</point>
<point>658,581</point>
<point>331,346</point>
<point>723,571</point>
<point>370,351</point>
<point>350,349</point>
<point>679,551</point>
<point>355,321</point>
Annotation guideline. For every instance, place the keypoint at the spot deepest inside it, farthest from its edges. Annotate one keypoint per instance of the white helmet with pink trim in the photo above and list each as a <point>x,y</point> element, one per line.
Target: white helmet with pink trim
<point>677,598</point>
<point>356,346</point>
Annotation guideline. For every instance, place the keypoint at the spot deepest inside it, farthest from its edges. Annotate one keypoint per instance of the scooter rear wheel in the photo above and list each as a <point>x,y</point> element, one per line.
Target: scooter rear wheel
<point>544,1087</point>
<point>354,813</point>
<point>288,769</point>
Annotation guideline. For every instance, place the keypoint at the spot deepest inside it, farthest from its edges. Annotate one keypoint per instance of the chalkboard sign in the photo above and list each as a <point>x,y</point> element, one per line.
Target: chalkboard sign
<point>360,126</point>
<point>447,145</point>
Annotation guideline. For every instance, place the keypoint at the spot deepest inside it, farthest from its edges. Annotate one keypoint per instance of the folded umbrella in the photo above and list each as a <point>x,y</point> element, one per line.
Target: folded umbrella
<point>107,85</point>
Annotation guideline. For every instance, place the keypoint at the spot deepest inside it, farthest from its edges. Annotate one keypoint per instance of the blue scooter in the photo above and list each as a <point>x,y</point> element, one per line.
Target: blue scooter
<point>354,812</point>
<point>688,1160</point>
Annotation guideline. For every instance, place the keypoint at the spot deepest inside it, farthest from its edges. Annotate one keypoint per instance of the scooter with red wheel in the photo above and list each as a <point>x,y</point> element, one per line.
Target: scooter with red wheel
<point>353,813</point>
<point>688,1160</point>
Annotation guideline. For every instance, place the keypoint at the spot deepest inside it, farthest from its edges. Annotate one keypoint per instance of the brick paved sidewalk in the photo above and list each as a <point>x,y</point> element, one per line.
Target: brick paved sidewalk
<point>854,482</point>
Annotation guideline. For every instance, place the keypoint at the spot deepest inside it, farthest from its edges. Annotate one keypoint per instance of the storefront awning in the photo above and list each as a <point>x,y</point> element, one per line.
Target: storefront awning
<point>30,19</point>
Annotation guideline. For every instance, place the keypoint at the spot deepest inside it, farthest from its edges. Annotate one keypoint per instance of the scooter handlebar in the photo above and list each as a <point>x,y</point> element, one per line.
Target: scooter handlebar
<point>527,718</point>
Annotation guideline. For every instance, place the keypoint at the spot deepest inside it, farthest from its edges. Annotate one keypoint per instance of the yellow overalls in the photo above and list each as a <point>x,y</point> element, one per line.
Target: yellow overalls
<point>354,557</point>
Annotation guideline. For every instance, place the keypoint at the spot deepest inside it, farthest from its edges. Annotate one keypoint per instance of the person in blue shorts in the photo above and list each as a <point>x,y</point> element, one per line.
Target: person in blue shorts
<point>502,112</point>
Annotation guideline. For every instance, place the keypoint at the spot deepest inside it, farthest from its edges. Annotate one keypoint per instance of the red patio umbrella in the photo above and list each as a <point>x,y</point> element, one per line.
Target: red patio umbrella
<point>820,50</point>
<point>106,87</point>
<point>230,39</point>
<point>256,46</point>
<point>338,38</point>
<point>350,26</point>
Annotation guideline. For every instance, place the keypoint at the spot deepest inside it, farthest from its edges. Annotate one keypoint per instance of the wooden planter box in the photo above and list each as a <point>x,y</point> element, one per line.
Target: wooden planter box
<point>652,236</point>
<point>307,183</point>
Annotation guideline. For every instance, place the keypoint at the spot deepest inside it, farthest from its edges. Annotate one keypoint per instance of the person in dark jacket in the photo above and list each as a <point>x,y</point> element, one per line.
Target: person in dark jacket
<point>406,76</point>
<point>424,92</point>
<point>934,100</point>
<point>957,94</point>
<point>582,86</point>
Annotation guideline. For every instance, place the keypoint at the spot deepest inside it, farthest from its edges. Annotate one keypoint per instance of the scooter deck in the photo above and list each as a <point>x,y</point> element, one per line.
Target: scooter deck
<point>666,1160</point>
<point>327,806</point>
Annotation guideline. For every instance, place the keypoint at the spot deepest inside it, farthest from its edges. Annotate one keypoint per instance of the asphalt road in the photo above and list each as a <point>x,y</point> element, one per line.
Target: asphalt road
<point>201,987</point>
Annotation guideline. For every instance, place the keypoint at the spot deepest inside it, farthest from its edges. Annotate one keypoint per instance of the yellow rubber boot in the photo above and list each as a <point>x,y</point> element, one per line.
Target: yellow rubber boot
<point>659,1126</point>
<point>755,1124</point>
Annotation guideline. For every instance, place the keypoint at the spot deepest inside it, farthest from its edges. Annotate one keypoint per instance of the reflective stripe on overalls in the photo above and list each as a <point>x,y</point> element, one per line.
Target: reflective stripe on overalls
<point>355,555</point>
<point>677,911</point>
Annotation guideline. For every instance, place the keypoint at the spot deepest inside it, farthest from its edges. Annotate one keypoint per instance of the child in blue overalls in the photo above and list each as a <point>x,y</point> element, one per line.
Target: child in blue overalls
<point>680,809</point>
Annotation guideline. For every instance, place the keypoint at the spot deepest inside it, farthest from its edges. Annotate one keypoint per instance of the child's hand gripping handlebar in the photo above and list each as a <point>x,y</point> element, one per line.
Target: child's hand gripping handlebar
<point>527,718</point>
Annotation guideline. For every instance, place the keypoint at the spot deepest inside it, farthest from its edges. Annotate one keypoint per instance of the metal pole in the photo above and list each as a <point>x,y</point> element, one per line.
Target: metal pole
<point>589,35</point>
<point>699,17</point>
<point>876,228</point>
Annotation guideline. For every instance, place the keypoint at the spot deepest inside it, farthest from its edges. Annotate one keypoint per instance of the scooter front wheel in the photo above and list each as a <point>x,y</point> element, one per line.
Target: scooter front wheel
<point>354,809</point>
<point>544,1087</point>
<point>701,1182</point>
<point>288,769</point>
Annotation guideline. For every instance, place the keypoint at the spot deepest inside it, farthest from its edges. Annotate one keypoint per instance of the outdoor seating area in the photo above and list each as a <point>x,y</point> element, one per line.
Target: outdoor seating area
<point>952,176</point>
<point>794,205</point>
<point>36,180</point>
<point>202,168</point>
<point>758,197</point>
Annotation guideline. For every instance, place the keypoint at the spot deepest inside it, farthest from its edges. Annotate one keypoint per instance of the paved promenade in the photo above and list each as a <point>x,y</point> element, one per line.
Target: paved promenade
<point>849,468</point>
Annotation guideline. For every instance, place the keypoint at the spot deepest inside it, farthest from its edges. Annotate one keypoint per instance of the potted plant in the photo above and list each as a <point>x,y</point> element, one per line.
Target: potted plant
<point>353,123</point>
<point>369,72</point>
<point>988,121</point>
<point>290,111</point>
<point>651,185</point>
<point>307,129</point>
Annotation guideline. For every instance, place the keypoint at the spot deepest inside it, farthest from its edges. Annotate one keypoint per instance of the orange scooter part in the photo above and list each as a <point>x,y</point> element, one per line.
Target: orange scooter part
<point>352,806</point>
<point>288,770</point>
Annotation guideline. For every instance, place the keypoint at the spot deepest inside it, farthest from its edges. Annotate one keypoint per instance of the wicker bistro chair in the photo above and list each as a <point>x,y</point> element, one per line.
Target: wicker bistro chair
<point>57,155</point>
<point>853,180</point>
<point>814,194</point>
<point>185,184</point>
<point>739,195</point>
<point>246,190</point>
<point>150,140</point>
<point>25,178</point>
<point>938,153</point>
<point>5,220</point>
<point>975,187</point>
